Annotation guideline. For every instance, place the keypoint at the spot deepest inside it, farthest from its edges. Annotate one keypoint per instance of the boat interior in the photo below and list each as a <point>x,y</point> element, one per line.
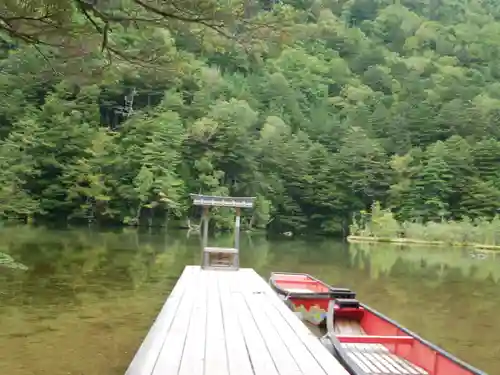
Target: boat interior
<point>299,283</point>
<point>379,346</point>
<point>372,357</point>
<point>304,285</point>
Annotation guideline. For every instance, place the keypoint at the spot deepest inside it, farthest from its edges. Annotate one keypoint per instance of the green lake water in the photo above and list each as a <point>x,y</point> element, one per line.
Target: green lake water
<point>79,302</point>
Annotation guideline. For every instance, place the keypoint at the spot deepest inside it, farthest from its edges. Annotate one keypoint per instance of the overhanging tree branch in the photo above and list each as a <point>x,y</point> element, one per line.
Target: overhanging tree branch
<point>46,23</point>
<point>85,26</point>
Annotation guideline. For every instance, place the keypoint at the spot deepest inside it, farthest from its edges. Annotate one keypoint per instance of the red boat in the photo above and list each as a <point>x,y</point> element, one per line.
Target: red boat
<point>307,295</point>
<point>365,341</point>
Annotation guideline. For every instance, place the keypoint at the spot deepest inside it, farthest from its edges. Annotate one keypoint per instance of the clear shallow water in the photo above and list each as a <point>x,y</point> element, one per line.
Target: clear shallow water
<point>79,302</point>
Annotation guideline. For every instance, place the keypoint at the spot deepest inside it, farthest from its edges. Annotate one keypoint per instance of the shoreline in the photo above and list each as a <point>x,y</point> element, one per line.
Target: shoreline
<point>409,241</point>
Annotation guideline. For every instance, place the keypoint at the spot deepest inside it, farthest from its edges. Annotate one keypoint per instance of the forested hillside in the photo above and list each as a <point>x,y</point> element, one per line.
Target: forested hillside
<point>330,106</point>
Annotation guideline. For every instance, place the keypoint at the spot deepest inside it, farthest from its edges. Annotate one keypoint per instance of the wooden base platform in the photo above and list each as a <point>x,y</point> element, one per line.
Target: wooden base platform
<point>229,323</point>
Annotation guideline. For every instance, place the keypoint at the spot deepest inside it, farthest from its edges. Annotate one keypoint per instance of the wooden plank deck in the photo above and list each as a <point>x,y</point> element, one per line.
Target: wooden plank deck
<point>219,322</point>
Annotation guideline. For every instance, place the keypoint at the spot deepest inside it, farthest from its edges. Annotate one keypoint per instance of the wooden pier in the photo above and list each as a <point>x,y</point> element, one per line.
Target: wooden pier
<point>229,322</point>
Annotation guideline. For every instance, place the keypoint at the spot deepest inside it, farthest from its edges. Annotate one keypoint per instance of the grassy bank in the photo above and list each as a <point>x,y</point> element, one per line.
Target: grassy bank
<point>379,225</point>
<point>409,241</point>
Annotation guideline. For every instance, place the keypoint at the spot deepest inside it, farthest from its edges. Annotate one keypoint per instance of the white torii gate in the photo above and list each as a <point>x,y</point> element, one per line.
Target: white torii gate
<point>227,258</point>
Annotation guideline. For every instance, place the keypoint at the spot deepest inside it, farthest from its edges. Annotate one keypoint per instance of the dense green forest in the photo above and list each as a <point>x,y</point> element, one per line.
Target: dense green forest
<point>317,108</point>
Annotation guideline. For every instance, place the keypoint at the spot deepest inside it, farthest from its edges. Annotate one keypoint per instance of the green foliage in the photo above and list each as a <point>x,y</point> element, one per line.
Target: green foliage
<point>377,223</point>
<point>7,261</point>
<point>336,107</point>
<point>381,224</point>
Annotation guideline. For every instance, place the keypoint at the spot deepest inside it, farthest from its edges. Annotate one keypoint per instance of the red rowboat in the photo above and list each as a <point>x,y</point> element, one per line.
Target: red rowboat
<point>306,295</point>
<point>365,341</point>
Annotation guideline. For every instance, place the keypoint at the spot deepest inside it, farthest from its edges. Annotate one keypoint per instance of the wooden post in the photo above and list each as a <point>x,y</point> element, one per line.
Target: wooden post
<point>205,226</point>
<point>237,229</point>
